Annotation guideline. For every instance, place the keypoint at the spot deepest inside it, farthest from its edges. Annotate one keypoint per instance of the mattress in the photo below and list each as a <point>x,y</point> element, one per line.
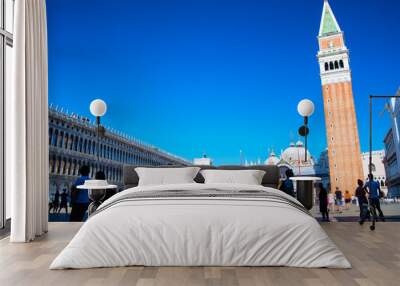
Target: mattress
<point>201,225</point>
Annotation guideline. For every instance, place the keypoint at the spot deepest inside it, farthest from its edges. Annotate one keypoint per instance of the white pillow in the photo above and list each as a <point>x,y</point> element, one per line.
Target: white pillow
<point>166,176</point>
<point>248,177</point>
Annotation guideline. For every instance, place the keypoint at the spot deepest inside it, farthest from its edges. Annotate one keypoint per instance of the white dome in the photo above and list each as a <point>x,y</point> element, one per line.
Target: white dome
<point>299,143</point>
<point>272,159</point>
<point>294,155</point>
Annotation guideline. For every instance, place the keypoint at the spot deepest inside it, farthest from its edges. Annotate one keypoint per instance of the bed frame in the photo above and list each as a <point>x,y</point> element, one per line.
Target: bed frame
<point>270,179</point>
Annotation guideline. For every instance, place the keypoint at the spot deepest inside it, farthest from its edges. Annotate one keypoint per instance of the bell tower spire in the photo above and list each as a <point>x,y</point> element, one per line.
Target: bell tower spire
<point>345,165</point>
<point>333,54</point>
<point>329,24</point>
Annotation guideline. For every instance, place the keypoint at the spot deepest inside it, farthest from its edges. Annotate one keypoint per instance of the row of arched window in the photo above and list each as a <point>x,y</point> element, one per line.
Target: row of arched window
<point>60,165</point>
<point>87,145</point>
<point>334,65</point>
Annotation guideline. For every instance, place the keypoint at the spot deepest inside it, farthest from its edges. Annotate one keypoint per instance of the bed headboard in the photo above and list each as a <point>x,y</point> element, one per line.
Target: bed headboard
<point>271,178</point>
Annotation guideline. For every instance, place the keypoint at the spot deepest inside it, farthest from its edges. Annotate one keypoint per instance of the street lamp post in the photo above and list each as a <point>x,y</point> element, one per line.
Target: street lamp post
<point>304,185</point>
<point>98,108</point>
<point>305,108</point>
<point>97,192</point>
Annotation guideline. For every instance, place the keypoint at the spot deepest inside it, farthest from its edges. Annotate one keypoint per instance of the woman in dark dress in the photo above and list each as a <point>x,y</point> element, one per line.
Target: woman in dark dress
<point>323,202</point>
<point>287,184</point>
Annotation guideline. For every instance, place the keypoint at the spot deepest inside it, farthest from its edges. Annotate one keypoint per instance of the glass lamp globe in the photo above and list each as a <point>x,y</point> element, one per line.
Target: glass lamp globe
<point>98,107</point>
<point>305,107</point>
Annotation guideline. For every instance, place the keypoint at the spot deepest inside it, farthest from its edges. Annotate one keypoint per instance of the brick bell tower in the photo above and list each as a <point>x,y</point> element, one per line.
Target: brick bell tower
<point>345,165</point>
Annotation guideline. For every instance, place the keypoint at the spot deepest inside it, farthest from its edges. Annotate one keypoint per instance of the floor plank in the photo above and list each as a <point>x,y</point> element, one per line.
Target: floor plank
<point>375,257</point>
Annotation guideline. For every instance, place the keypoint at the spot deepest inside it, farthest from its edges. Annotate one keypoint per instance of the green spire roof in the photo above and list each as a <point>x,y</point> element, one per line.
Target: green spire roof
<point>328,22</point>
<point>329,25</point>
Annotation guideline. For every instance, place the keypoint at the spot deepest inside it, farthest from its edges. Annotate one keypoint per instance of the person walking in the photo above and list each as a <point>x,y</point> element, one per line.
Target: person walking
<point>79,197</point>
<point>361,195</point>
<point>338,200</point>
<point>331,201</point>
<point>323,202</point>
<point>347,199</point>
<point>287,185</point>
<point>374,194</point>
<point>64,201</point>
<point>56,201</point>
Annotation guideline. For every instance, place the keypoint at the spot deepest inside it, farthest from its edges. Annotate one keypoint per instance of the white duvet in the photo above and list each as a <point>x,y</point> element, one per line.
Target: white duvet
<point>203,231</point>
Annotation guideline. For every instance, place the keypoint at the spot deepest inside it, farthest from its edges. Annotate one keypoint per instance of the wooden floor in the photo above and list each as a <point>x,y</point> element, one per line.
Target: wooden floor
<point>375,257</point>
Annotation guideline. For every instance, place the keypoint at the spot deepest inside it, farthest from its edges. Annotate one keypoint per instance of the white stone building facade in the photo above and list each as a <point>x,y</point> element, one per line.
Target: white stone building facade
<point>392,149</point>
<point>378,168</point>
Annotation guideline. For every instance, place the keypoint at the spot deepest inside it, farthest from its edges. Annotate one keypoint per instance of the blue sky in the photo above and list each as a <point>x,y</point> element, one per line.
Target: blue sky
<point>216,76</point>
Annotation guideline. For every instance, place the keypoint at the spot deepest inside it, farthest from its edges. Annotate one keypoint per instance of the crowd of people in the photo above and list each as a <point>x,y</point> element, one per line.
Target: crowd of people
<point>79,198</point>
<point>56,205</point>
<point>367,197</point>
<point>367,194</point>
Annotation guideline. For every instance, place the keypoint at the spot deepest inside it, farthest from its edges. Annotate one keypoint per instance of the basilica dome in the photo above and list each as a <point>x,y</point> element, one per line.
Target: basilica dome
<point>272,159</point>
<point>294,155</point>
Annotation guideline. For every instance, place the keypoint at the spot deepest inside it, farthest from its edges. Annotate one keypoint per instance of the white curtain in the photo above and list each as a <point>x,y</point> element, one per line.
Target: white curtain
<point>27,124</point>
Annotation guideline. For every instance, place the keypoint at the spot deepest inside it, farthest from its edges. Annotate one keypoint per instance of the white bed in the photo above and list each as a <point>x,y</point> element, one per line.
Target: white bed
<point>133,228</point>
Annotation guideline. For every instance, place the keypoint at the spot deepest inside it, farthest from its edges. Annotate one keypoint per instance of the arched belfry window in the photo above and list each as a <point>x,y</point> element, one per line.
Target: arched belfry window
<point>341,64</point>
<point>331,67</point>
<point>326,66</point>
<point>336,65</point>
